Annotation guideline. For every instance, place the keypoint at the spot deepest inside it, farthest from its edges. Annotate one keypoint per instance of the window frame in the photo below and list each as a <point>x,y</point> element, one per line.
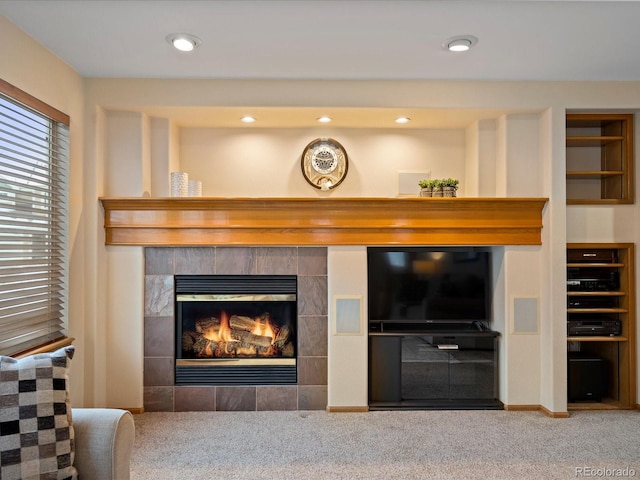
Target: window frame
<point>56,125</point>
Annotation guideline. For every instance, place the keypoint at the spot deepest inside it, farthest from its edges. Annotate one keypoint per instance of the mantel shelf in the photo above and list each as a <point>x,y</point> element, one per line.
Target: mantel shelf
<point>194,221</point>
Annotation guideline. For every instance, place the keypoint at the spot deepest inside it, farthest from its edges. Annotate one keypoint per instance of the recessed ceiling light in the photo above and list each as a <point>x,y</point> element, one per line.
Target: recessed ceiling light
<point>403,120</point>
<point>324,119</point>
<point>185,42</point>
<point>247,119</point>
<point>460,43</point>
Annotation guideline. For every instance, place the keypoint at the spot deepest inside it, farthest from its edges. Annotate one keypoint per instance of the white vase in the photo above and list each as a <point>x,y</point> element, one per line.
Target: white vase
<point>195,188</point>
<point>179,184</point>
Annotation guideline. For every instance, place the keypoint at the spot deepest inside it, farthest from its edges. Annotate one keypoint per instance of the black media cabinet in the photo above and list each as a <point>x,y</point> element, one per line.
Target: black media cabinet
<point>419,368</point>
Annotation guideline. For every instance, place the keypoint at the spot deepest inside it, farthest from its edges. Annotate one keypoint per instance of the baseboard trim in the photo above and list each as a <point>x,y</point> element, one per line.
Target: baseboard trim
<point>551,414</point>
<point>522,408</point>
<point>510,408</point>
<point>536,408</point>
<point>346,409</point>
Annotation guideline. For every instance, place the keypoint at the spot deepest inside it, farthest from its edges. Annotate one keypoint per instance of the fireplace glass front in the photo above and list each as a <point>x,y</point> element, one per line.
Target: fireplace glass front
<point>236,329</point>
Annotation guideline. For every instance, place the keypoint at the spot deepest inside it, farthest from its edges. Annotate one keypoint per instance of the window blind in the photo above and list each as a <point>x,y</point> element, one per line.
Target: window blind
<point>34,158</point>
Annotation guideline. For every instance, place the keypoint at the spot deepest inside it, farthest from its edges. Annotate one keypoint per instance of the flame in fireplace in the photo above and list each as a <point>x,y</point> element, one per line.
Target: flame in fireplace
<point>220,334</point>
<point>225,329</point>
<point>263,328</point>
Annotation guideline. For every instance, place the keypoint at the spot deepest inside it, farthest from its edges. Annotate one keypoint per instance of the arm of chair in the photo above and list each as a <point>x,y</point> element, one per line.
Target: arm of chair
<point>103,443</point>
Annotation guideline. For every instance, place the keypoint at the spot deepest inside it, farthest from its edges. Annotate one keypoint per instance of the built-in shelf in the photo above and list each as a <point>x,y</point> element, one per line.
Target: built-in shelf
<point>599,158</point>
<point>605,283</point>
<point>585,175</point>
<point>322,221</point>
<point>597,339</point>
<point>591,141</point>
<point>597,310</point>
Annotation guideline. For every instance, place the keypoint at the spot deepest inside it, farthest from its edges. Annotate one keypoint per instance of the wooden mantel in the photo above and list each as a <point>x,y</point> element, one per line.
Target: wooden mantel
<point>194,221</point>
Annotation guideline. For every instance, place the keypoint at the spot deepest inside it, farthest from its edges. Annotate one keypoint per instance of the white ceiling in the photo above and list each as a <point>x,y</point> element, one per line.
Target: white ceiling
<point>339,39</point>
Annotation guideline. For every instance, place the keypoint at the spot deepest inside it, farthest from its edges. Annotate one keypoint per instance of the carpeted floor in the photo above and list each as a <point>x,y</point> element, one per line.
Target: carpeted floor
<point>386,445</point>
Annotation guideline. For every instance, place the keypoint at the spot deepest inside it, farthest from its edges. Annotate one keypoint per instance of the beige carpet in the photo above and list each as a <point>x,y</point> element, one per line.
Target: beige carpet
<point>386,445</point>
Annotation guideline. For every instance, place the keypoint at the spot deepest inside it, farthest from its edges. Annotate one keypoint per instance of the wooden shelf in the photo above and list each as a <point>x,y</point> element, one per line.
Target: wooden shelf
<point>600,157</point>
<point>594,174</point>
<point>322,221</point>
<point>597,339</point>
<point>605,404</point>
<point>617,352</point>
<point>596,294</point>
<point>595,265</point>
<point>593,141</point>
<point>597,310</point>
<point>601,201</point>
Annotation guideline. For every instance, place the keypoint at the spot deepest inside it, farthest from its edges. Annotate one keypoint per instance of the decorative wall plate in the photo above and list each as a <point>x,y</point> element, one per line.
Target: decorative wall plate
<point>324,163</point>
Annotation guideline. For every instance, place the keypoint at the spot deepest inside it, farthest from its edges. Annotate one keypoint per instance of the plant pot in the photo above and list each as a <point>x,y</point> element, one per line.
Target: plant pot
<point>425,192</point>
<point>437,192</point>
<point>448,191</point>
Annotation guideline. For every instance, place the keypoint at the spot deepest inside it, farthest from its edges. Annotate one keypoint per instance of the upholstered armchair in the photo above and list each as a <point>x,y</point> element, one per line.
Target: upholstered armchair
<point>41,436</point>
<point>104,441</point>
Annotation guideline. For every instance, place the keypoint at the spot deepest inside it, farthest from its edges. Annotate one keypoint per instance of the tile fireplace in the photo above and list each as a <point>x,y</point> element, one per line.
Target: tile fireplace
<point>167,390</point>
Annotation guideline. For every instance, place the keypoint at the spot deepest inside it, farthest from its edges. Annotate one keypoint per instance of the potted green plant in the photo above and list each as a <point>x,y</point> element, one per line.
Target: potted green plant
<point>437,188</point>
<point>449,187</point>
<point>426,188</point>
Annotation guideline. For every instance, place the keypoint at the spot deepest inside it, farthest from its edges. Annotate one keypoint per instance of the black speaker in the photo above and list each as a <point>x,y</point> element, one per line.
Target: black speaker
<point>587,378</point>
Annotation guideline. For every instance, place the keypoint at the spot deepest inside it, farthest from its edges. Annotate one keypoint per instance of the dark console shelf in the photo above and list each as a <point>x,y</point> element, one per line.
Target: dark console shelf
<point>434,368</point>
<point>439,404</point>
<point>391,327</point>
<point>438,333</point>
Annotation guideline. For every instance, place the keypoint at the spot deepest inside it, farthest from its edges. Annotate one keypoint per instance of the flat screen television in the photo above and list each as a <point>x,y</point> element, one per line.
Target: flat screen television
<point>441,285</point>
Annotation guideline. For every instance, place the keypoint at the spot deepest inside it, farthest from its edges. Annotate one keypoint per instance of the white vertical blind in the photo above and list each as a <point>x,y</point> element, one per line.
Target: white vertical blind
<point>34,162</point>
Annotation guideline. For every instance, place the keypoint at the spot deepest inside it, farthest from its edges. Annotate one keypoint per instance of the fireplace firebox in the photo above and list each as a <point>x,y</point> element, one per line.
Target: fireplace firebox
<point>236,329</point>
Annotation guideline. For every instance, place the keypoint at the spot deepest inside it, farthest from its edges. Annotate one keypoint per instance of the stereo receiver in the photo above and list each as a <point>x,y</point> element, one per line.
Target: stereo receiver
<point>605,328</point>
<point>592,280</point>
<point>592,302</point>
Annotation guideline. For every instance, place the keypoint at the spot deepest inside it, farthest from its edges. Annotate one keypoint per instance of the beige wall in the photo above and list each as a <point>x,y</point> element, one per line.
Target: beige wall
<point>98,316</point>
<point>266,162</point>
<point>347,361</point>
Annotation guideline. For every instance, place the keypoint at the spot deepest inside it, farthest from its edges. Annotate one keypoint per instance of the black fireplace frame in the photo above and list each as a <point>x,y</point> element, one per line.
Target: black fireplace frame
<point>234,371</point>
